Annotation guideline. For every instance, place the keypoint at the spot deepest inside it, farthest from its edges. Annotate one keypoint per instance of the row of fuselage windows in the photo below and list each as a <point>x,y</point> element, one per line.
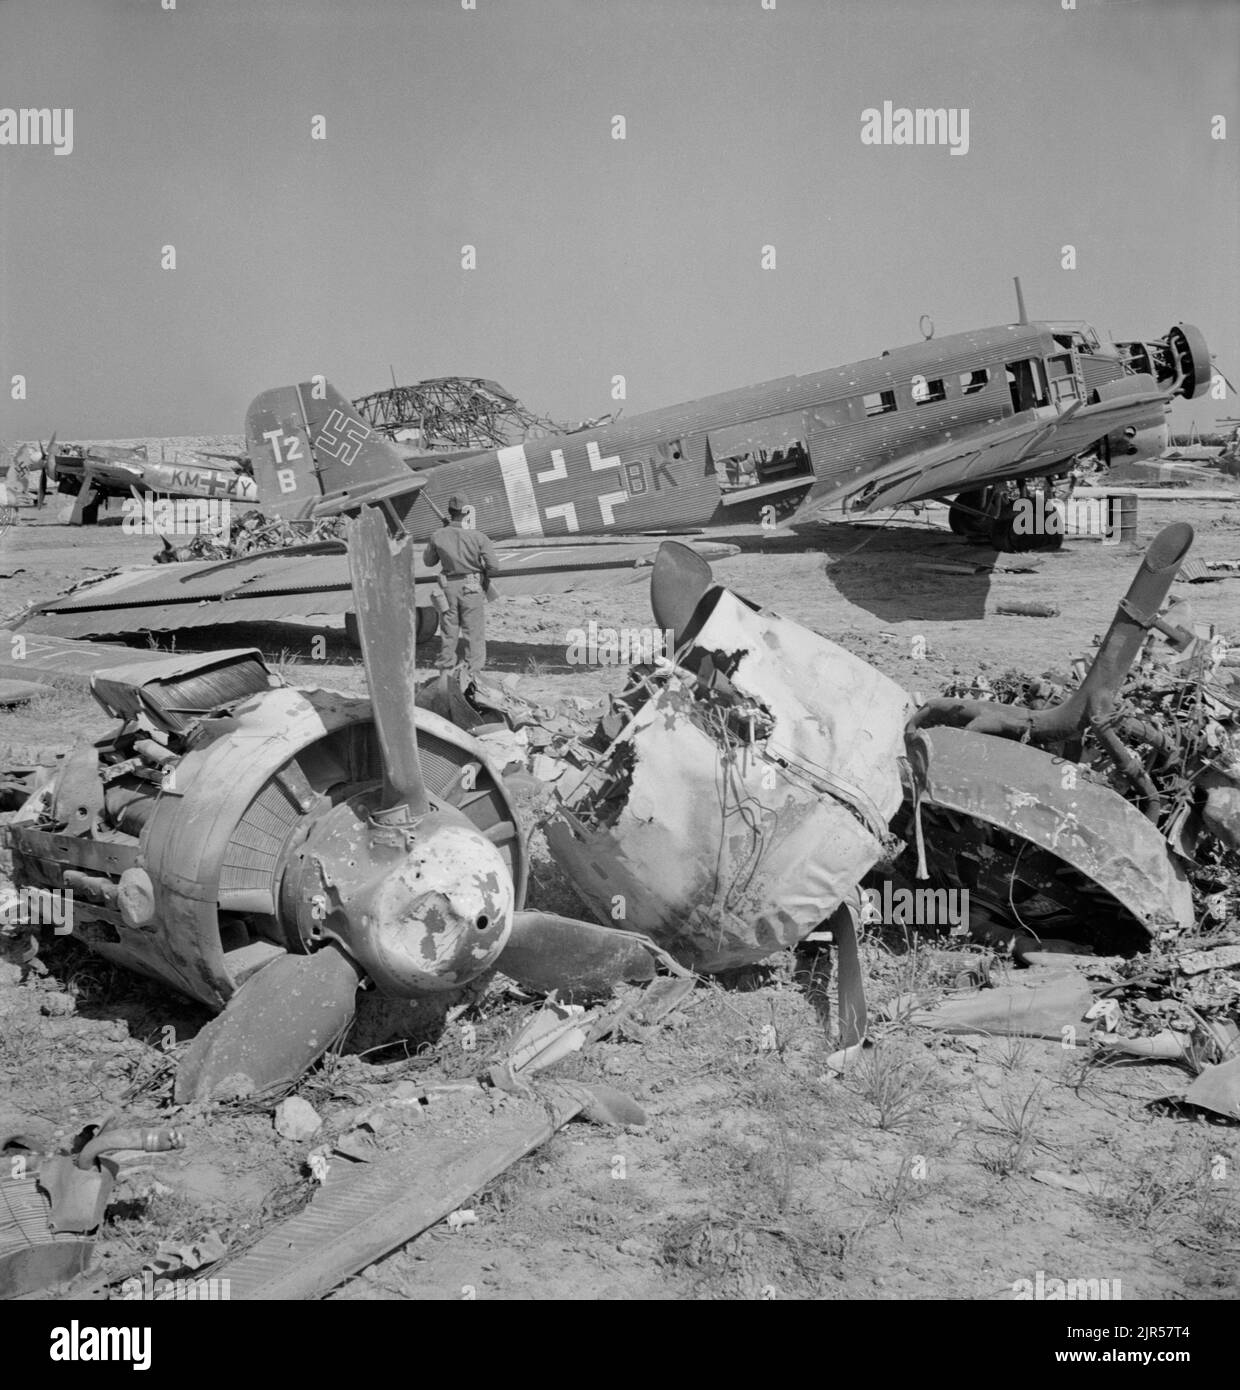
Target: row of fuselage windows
<point>1026,380</point>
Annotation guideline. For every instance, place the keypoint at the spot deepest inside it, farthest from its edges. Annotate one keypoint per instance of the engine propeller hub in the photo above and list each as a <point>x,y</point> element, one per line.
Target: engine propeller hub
<point>420,905</point>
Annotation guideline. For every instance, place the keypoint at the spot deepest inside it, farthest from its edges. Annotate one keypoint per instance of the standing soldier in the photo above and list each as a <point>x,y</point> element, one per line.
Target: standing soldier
<point>468,559</point>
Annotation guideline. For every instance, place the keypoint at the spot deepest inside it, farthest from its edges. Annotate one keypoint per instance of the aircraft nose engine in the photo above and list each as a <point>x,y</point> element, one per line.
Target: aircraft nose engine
<point>1191,357</point>
<point>387,883</point>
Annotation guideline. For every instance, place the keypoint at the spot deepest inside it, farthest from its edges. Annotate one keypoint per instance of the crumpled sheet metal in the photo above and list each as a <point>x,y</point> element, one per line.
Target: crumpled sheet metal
<point>1093,829</point>
<point>725,854</point>
<point>1043,1007</point>
<point>1218,1089</point>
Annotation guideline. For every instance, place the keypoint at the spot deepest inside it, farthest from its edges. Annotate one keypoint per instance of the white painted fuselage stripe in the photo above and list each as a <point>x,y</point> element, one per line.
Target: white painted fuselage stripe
<point>597,461</point>
<point>515,470</point>
<point>568,511</point>
<point>557,470</point>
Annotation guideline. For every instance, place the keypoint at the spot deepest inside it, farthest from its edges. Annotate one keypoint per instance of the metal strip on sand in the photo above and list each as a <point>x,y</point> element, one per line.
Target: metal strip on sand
<point>367,1213</point>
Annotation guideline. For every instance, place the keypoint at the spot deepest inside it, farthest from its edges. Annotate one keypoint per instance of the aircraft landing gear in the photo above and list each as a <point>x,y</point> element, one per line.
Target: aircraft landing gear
<point>1011,523</point>
<point>969,515</point>
<point>1009,535</point>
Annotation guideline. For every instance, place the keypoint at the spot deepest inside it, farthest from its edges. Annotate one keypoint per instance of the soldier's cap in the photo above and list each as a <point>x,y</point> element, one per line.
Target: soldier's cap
<point>456,504</point>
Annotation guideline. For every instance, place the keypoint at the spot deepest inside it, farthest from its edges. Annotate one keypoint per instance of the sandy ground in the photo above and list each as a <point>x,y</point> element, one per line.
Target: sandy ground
<point>921,1174</point>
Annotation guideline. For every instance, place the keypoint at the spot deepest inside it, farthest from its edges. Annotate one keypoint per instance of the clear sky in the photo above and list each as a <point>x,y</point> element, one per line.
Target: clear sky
<point>596,257</point>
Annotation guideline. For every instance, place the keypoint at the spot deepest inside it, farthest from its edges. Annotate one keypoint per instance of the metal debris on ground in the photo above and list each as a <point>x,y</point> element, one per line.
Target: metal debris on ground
<point>52,1204</point>
<point>406,1165</point>
<point>250,533</point>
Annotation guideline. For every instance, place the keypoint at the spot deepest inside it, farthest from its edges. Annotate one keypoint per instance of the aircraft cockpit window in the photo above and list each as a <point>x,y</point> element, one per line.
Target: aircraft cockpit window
<point>879,403</point>
<point>1027,385</point>
<point>973,382</point>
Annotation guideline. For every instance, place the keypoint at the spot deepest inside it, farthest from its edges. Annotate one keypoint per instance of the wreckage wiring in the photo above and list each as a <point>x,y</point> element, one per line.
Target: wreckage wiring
<point>1024,844</point>
<point>745,801</point>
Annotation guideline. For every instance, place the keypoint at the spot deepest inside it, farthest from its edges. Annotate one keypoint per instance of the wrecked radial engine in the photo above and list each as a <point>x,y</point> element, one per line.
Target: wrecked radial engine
<point>749,792</point>
<point>266,849</point>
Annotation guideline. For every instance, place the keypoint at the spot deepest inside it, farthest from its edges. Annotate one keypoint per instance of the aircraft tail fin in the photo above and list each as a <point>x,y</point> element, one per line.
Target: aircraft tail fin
<point>310,450</point>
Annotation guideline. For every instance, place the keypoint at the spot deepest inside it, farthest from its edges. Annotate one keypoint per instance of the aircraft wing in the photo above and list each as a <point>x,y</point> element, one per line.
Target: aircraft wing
<point>992,453</point>
<point>313,581</point>
<point>349,501</point>
<point>57,661</point>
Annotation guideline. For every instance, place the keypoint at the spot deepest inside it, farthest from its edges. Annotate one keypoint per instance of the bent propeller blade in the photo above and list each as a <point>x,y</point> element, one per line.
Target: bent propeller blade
<point>277,1025</point>
<point>547,952</point>
<point>679,580</point>
<point>386,623</point>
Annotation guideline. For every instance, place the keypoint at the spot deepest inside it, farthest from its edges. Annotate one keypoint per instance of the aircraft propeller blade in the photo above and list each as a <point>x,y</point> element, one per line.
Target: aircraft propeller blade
<point>278,1023</point>
<point>49,457</point>
<point>386,623</point>
<point>547,952</point>
<point>677,583</point>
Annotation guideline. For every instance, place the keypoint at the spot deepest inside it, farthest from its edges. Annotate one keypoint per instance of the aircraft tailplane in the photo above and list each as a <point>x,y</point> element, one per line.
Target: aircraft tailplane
<point>308,446</point>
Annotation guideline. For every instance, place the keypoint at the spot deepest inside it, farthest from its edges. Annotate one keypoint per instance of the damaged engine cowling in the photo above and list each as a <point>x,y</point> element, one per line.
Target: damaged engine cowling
<point>228,820</point>
<point>746,797</point>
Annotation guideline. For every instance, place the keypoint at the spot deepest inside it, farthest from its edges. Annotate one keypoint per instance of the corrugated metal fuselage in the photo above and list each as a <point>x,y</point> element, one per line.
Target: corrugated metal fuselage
<point>664,469</point>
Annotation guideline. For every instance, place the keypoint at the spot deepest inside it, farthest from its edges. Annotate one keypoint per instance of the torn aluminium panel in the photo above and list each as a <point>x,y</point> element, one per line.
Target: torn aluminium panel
<point>747,796</point>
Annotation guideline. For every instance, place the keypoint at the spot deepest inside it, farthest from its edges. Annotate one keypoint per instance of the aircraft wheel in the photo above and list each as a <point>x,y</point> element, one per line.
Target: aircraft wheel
<point>1006,538</point>
<point>1050,540</point>
<point>428,624</point>
<point>962,513</point>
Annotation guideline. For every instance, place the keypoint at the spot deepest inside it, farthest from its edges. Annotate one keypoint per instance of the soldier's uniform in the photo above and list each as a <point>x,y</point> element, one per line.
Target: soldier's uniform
<point>468,559</point>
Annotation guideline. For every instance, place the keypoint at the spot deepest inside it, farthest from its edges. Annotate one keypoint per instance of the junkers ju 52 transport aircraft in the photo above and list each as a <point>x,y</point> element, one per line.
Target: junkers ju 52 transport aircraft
<point>973,418</point>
